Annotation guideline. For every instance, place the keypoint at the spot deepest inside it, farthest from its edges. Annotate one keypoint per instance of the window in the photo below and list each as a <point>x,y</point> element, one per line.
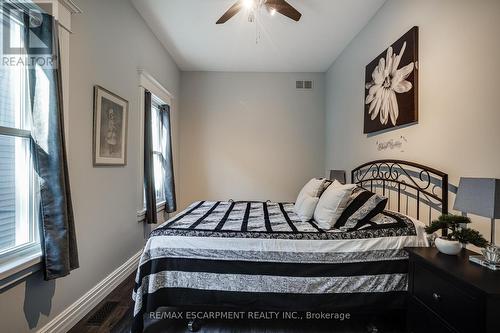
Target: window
<point>158,135</point>
<point>159,97</point>
<point>19,237</point>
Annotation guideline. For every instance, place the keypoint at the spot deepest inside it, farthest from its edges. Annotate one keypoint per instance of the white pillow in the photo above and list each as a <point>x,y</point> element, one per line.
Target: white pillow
<point>308,198</point>
<point>332,204</point>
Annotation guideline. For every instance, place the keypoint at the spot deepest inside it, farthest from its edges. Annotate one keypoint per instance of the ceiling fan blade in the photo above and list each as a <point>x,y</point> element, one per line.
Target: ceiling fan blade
<point>231,12</point>
<point>284,8</point>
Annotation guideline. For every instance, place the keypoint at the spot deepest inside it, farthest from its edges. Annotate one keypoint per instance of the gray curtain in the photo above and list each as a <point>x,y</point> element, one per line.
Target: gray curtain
<point>48,143</point>
<point>167,159</point>
<point>149,177</point>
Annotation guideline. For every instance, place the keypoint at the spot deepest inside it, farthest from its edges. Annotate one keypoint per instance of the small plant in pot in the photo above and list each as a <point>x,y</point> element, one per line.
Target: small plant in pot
<point>457,234</point>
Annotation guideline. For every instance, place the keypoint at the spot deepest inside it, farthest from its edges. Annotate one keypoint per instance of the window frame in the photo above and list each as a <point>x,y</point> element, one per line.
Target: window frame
<point>28,258</point>
<point>156,104</point>
<point>19,257</point>
<point>15,258</point>
<point>148,82</point>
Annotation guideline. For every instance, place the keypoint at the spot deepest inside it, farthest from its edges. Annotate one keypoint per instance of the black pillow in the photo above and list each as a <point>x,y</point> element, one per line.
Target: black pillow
<point>364,206</point>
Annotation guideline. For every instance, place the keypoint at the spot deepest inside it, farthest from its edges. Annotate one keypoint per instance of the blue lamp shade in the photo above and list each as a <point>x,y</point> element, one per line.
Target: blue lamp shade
<point>479,196</point>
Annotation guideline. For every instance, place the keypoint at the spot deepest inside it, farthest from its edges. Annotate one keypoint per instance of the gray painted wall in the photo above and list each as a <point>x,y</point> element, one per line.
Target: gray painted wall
<point>249,136</point>
<point>459,112</point>
<point>110,42</point>
<point>272,137</point>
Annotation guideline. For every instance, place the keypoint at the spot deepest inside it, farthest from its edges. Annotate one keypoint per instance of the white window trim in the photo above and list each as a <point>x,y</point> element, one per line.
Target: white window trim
<point>25,262</point>
<point>20,264</point>
<point>141,215</point>
<point>147,82</point>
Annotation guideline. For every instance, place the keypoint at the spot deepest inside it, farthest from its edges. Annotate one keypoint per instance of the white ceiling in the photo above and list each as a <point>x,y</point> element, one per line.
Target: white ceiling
<point>188,31</point>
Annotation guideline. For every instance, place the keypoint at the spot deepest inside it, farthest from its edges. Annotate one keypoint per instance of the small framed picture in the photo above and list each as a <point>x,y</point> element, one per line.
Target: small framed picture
<point>110,128</point>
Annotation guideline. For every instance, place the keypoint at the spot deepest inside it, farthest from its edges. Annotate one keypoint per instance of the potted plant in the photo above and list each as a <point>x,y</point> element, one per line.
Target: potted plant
<point>456,234</point>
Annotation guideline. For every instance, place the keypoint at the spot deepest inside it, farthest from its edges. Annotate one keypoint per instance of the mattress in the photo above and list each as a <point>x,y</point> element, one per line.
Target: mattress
<point>259,255</point>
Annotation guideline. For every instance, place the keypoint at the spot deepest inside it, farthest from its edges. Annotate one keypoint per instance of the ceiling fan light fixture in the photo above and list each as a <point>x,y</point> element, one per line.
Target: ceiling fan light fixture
<point>249,4</point>
<point>255,6</point>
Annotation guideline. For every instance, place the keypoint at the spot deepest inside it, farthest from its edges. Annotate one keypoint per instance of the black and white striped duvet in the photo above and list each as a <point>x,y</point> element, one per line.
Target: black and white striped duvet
<point>258,255</point>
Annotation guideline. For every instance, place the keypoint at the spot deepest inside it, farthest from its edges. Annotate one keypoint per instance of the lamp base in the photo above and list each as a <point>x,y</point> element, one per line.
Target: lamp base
<point>480,260</point>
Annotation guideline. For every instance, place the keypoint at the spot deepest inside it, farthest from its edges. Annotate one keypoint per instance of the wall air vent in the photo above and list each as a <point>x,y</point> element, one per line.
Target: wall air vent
<point>304,85</point>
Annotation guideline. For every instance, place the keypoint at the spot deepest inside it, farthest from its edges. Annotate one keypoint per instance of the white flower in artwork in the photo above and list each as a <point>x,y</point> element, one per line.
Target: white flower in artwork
<point>387,80</point>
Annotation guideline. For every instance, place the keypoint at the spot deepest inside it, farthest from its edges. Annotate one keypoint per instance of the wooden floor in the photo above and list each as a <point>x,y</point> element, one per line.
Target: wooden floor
<point>123,296</point>
<point>118,319</point>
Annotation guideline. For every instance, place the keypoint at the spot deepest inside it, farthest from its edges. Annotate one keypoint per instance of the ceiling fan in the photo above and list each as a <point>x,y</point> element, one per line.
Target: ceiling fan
<point>272,6</point>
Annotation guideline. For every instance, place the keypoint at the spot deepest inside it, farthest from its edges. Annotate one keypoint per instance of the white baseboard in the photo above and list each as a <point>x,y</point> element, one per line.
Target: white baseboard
<point>76,311</point>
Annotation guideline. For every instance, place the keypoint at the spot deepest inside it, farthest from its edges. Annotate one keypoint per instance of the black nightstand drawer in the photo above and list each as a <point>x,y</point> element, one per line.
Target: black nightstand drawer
<point>453,304</point>
<point>422,321</point>
<point>449,293</point>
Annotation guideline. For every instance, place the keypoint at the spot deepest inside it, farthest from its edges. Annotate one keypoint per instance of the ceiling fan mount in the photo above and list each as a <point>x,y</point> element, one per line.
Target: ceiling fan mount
<point>272,6</point>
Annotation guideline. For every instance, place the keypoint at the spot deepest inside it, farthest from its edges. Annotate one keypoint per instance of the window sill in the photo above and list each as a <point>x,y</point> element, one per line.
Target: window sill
<point>20,268</point>
<point>141,215</point>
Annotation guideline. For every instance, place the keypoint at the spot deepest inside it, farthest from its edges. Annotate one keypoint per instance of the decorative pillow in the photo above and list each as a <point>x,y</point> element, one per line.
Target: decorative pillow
<point>308,198</point>
<point>363,206</point>
<point>332,203</point>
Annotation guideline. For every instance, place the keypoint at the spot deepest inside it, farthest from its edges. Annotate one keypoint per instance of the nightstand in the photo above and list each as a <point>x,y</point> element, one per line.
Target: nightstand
<point>451,294</point>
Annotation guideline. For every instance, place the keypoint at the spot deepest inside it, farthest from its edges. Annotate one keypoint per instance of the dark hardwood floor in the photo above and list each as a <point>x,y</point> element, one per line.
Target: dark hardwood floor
<point>122,295</point>
<point>114,315</point>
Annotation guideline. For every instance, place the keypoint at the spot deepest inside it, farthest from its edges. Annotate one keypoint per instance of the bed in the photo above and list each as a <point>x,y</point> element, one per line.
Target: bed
<point>260,256</point>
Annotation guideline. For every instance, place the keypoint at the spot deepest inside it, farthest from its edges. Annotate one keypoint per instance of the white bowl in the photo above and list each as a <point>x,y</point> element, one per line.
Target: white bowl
<point>448,246</point>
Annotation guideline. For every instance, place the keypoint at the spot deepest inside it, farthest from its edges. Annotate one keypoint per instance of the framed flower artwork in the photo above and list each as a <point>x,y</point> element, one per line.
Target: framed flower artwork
<point>110,128</point>
<point>391,86</point>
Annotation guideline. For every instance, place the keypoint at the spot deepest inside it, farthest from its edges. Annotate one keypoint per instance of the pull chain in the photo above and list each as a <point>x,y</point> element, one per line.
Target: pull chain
<point>257,30</point>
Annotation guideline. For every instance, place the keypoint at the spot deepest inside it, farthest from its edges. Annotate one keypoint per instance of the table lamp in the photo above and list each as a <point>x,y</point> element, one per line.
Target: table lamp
<point>480,196</point>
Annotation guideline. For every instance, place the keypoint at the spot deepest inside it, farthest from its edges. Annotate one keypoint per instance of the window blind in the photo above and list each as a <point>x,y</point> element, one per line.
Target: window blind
<point>7,165</point>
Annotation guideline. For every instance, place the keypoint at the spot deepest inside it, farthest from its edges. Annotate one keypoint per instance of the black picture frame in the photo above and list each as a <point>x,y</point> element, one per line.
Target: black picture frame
<point>379,111</point>
<point>114,151</point>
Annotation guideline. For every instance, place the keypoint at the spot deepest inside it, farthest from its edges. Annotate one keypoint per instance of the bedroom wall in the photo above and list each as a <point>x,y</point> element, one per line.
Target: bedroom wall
<point>459,113</point>
<point>249,136</point>
<point>110,42</point>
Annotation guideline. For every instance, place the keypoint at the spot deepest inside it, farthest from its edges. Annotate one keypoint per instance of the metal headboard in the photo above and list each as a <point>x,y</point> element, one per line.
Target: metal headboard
<point>408,181</point>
